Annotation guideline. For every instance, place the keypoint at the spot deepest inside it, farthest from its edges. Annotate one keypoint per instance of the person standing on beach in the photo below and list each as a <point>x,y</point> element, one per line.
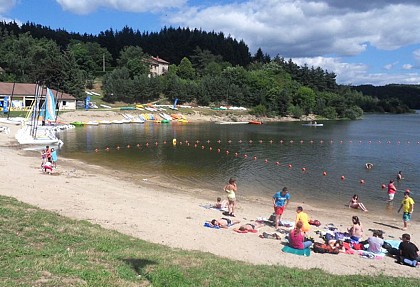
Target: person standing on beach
<point>280,202</point>
<point>391,190</point>
<point>54,157</point>
<point>408,207</point>
<point>231,190</point>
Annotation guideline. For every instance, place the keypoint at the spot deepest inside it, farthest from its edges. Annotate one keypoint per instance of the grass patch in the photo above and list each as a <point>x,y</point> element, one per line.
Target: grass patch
<point>41,248</point>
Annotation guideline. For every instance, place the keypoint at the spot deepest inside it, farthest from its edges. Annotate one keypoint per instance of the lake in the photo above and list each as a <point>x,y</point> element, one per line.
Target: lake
<point>323,166</point>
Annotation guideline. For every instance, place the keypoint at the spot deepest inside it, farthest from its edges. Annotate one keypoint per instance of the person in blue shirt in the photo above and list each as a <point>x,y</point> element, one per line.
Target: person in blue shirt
<point>280,202</point>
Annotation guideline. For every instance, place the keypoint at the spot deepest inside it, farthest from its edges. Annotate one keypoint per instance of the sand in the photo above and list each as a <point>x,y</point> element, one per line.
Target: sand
<point>149,210</point>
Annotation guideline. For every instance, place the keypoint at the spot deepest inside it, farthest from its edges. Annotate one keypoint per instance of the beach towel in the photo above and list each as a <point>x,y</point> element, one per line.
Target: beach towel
<point>301,252</point>
<point>371,255</point>
<point>286,223</point>
<point>211,206</point>
<point>209,225</point>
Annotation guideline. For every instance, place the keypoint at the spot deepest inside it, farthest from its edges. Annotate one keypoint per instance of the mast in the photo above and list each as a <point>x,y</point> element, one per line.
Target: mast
<point>11,98</point>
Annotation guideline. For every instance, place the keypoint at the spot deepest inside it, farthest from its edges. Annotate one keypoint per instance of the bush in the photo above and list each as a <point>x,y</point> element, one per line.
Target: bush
<point>295,111</point>
<point>259,110</point>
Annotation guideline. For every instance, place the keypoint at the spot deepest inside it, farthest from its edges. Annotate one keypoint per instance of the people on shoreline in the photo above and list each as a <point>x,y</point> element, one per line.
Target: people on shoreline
<point>304,218</point>
<point>43,158</point>
<point>400,176</point>
<point>408,251</point>
<point>220,204</point>
<point>369,165</point>
<point>354,203</point>
<point>280,202</point>
<point>375,242</point>
<point>48,153</point>
<point>297,238</point>
<point>250,227</point>
<point>356,231</point>
<point>407,205</point>
<point>54,157</point>
<point>391,190</point>
<point>231,189</point>
<point>222,222</point>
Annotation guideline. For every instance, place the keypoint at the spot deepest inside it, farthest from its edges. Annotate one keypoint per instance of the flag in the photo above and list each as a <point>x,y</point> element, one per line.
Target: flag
<point>6,104</point>
<point>49,106</point>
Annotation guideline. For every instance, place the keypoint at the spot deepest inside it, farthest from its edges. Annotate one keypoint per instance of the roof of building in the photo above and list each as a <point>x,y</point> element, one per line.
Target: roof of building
<point>159,60</point>
<point>26,89</point>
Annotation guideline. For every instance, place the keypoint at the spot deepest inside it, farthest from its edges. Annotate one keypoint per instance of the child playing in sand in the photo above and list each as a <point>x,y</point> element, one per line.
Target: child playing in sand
<point>220,204</point>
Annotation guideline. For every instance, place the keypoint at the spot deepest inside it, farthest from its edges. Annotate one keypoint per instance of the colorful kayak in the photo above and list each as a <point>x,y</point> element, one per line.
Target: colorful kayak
<point>77,124</point>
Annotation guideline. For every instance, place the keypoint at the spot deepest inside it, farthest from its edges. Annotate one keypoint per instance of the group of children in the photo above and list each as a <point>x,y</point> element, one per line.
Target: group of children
<point>48,159</point>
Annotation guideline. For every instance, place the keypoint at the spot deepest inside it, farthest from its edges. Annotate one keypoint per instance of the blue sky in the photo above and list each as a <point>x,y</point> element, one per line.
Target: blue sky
<point>364,42</point>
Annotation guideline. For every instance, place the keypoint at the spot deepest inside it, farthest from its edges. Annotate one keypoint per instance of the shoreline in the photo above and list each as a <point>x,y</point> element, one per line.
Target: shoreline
<point>147,210</point>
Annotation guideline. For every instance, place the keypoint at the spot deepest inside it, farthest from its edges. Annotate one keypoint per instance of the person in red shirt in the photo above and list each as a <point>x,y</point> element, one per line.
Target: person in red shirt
<point>391,190</point>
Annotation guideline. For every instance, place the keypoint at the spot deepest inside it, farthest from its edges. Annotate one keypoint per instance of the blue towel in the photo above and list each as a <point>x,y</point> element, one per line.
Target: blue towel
<point>301,252</point>
<point>208,224</point>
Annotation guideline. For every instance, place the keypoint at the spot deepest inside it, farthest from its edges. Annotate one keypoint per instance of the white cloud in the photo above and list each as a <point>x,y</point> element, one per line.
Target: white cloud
<point>407,66</point>
<point>357,74</point>
<point>6,5</point>
<point>416,55</point>
<point>88,6</point>
<point>390,66</point>
<point>307,28</point>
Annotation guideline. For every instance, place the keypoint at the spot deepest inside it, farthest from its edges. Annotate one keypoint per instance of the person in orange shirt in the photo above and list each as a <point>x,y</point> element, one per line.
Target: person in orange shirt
<point>304,218</point>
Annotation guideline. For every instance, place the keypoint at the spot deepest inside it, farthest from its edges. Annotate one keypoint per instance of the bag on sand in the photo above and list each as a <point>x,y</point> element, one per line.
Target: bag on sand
<point>324,248</point>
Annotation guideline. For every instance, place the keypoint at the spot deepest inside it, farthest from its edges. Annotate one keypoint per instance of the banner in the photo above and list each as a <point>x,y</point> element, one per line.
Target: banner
<point>6,104</point>
<point>87,100</point>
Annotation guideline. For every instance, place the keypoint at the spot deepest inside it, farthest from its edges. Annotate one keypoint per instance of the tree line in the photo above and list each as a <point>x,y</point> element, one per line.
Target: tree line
<point>206,69</point>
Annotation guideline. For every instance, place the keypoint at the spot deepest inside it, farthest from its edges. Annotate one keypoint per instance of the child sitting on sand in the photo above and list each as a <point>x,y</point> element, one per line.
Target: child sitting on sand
<point>220,204</point>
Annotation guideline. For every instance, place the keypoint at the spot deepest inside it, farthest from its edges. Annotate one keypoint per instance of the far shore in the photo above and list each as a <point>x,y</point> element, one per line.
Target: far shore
<point>156,213</point>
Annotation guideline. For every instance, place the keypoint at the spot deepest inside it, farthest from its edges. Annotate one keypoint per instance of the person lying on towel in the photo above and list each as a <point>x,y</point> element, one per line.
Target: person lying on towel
<point>222,222</point>
<point>249,227</point>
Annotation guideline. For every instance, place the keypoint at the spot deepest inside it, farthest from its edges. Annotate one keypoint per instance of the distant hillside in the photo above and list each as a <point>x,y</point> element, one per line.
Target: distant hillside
<point>407,94</point>
<point>170,44</point>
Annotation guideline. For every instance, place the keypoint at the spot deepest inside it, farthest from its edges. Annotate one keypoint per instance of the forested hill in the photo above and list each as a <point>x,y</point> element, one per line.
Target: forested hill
<point>170,44</point>
<point>408,94</point>
<point>206,68</point>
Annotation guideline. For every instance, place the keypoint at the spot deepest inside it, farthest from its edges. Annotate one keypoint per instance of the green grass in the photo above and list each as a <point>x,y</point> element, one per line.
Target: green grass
<point>41,248</point>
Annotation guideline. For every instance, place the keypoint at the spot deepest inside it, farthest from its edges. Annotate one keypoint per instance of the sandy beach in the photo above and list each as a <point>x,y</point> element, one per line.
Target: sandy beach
<point>152,211</point>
